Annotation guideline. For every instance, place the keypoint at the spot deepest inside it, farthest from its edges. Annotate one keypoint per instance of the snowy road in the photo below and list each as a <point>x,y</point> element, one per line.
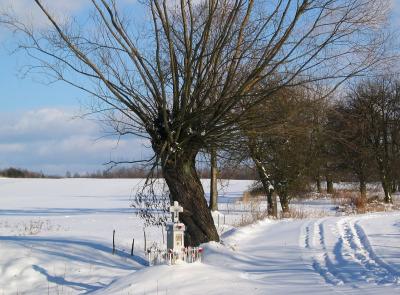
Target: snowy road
<point>334,255</point>
<point>55,238</point>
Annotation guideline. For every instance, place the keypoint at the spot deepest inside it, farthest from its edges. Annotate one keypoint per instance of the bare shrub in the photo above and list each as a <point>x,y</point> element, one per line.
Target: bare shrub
<point>34,227</point>
<point>245,220</point>
<point>351,202</point>
<point>301,213</point>
<point>256,190</point>
<point>253,208</point>
<point>255,194</point>
<point>343,196</point>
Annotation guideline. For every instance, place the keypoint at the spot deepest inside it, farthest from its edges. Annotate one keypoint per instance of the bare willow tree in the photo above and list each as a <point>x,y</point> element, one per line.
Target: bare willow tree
<point>179,75</point>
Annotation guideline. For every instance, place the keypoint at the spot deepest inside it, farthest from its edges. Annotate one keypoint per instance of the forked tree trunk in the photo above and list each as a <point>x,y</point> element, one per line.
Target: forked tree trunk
<point>264,178</point>
<point>213,182</point>
<point>267,187</point>
<point>185,187</point>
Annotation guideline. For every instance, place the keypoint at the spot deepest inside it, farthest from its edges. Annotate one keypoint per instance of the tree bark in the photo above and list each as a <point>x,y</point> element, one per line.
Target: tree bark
<point>273,203</point>
<point>394,186</point>
<point>267,186</point>
<point>329,185</point>
<point>185,187</point>
<point>213,182</point>
<point>363,186</point>
<point>387,191</point>
<point>318,182</point>
<point>283,198</point>
<point>385,180</point>
<point>363,189</point>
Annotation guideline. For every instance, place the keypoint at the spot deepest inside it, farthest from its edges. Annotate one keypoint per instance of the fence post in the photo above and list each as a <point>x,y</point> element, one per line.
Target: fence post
<point>133,246</point>
<point>113,250</point>
<point>145,241</point>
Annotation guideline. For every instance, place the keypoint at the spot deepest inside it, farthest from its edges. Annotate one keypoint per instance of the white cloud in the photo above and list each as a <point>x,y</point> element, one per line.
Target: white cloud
<point>11,147</point>
<point>30,13</point>
<point>54,141</point>
<point>44,123</point>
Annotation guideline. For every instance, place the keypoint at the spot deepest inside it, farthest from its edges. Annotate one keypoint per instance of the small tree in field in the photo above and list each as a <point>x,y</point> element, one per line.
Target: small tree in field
<point>185,76</point>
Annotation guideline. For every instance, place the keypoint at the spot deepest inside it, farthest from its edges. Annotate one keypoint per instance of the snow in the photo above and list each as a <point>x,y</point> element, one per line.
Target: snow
<point>56,238</point>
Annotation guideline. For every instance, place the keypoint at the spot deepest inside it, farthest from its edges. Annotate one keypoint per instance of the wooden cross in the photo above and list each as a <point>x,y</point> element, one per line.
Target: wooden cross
<point>175,211</point>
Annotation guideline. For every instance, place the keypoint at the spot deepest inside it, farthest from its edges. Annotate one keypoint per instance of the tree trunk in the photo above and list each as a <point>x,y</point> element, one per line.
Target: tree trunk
<point>274,205</point>
<point>329,185</point>
<point>394,187</point>
<point>213,182</point>
<point>283,198</point>
<point>387,190</point>
<point>185,187</point>
<point>363,186</point>
<point>363,189</point>
<point>318,182</point>
<point>267,186</point>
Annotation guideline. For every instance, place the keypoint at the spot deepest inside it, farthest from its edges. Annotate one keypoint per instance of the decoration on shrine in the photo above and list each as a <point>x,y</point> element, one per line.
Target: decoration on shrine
<point>176,251</point>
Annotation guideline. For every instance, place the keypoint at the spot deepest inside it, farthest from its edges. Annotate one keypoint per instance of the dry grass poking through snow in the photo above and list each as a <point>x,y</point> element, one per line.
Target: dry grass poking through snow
<point>346,200</point>
<point>301,213</point>
<point>254,205</point>
<point>29,228</point>
<point>256,210</point>
<point>350,202</point>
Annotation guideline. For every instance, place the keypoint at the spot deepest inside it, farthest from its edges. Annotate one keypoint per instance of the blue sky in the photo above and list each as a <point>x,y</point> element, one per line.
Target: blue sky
<point>37,126</point>
<point>40,128</point>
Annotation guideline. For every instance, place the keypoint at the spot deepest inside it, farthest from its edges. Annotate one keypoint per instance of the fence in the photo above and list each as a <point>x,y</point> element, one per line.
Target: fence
<point>186,255</point>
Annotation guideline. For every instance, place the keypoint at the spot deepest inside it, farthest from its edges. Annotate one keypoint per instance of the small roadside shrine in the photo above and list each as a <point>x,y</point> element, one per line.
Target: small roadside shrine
<point>176,251</point>
<point>175,230</point>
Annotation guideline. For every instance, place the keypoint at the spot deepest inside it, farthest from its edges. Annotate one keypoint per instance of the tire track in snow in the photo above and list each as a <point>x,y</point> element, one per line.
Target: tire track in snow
<point>367,246</point>
<point>366,266</point>
<point>314,241</point>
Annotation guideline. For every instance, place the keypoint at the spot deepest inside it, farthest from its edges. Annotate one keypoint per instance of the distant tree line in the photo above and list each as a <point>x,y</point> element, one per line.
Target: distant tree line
<point>229,172</point>
<point>20,173</point>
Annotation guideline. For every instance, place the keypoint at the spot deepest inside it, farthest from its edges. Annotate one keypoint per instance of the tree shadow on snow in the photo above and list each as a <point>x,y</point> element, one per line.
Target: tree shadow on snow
<point>69,251</point>
<point>58,280</point>
<point>84,251</point>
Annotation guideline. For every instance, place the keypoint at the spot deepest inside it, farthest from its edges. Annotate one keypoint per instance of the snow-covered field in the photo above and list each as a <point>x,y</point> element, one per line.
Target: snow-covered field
<point>56,238</point>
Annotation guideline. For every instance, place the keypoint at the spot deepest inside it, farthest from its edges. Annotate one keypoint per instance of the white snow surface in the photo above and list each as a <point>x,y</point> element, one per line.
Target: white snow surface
<point>56,238</point>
